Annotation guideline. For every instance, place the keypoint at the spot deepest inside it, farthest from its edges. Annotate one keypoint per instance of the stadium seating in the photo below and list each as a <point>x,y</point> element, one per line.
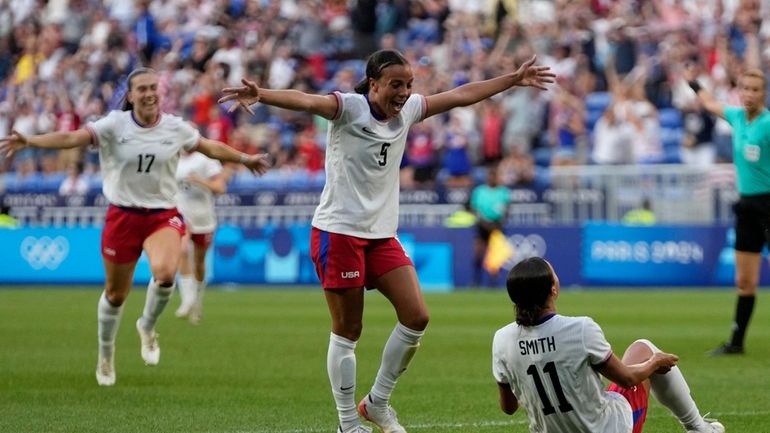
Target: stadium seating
<point>598,101</point>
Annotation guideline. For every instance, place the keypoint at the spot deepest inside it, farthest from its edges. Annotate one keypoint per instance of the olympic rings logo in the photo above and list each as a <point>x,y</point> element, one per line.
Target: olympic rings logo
<point>524,247</point>
<point>44,252</point>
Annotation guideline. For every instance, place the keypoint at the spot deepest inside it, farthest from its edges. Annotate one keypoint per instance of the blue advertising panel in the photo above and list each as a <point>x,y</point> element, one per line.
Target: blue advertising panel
<point>656,255</point>
<point>281,255</point>
<point>595,254</point>
<point>558,245</point>
<point>56,256</point>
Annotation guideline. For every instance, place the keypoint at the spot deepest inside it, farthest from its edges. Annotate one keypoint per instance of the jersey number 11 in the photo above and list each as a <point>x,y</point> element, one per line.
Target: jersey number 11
<point>548,408</point>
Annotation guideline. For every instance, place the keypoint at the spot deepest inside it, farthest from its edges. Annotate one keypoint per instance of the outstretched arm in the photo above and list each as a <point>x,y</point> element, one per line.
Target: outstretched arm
<point>249,94</point>
<point>55,140</point>
<point>527,75</point>
<point>258,164</point>
<point>705,97</point>
<point>631,375</point>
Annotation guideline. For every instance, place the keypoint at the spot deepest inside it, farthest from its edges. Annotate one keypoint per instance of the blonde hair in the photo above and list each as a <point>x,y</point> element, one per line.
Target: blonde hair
<point>755,73</point>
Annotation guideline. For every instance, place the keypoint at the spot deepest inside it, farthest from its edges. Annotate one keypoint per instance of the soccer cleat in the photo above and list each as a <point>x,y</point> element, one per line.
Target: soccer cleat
<point>709,426</point>
<point>384,417</point>
<point>356,429</point>
<point>196,313</point>
<point>183,310</point>
<point>150,347</point>
<point>727,349</point>
<point>105,372</point>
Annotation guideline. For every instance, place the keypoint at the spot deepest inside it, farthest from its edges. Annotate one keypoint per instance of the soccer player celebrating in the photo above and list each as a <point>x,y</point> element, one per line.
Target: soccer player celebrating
<point>552,365</point>
<point>751,156</point>
<point>138,151</point>
<point>199,178</point>
<point>353,240</point>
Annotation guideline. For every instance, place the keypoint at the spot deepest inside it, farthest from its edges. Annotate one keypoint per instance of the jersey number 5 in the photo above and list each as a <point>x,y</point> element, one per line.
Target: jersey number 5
<point>384,154</point>
<point>548,408</point>
<point>145,162</point>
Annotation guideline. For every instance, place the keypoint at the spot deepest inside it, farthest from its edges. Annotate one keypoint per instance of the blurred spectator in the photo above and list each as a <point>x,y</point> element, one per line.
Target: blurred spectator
<point>6,220</point>
<point>456,160</point>
<point>517,169</point>
<point>75,183</point>
<point>45,122</point>
<point>698,146</point>
<point>641,216</point>
<point>461,218</point>
<point>612,138</point>
<point>200,54</point>
<point>491,127</point>
<point>24,160</point>
<point>421,154</point>
<point>218,126</point>
<point>567,132</point>
<point>80,51</point>
<point>308,155</point>
<point>67,119</point>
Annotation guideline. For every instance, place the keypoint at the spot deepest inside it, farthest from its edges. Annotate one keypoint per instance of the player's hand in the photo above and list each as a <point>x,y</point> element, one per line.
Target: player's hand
<point>12,143</point>
<point>664,361</point>
<point>258,164</point>
<point>531,75</point>
<point>244,96</point>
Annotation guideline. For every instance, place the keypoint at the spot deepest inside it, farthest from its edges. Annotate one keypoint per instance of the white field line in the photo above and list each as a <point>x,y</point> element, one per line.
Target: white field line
<point>465,426</point>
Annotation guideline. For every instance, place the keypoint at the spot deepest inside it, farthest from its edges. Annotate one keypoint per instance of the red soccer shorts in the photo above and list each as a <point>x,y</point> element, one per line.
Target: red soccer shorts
<point>638,399</point>
<point>343,261</point>
<point>202,240</point>
<point>125,230</point>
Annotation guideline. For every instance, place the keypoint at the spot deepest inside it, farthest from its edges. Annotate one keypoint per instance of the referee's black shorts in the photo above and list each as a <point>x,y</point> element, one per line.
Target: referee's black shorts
<point>752,222</point>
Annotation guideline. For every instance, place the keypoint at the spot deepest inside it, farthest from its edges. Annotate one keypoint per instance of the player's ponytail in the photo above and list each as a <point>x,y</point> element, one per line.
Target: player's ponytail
<point>375,63</point>
<point>529,286</point>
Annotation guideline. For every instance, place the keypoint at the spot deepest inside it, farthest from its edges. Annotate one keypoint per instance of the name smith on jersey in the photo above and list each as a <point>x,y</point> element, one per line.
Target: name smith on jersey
<point>537,346</point>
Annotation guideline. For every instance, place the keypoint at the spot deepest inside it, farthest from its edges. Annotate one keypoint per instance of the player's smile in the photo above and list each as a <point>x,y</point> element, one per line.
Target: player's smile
<point>393,89</point>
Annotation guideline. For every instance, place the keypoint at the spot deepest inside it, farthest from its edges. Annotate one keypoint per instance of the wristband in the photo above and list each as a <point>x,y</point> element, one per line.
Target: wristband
<point>694,85</point>
<point>244,158</point>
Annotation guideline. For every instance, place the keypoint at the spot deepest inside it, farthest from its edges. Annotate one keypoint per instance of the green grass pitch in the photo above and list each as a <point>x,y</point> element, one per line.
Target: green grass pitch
<point>257,362</point>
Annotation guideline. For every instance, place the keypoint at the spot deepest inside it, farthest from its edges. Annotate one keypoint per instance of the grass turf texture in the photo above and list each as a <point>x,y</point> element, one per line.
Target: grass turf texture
<point>257,363</point>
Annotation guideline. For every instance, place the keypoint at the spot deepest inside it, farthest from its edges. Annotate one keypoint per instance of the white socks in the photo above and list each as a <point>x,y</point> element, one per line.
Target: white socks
<point>108,317</point>
<point>157,298</point>
<point>398,352</point>
<point>671,390</point>
<point>188,289</point>
<point>341,366</point>
<point>200,289</point>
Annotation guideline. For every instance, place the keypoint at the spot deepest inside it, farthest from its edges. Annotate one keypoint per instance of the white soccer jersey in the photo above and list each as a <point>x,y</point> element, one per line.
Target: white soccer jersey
<point>363,158</point>
<point>550,370</point>
<point>196,202</point>
<point>139,163</point>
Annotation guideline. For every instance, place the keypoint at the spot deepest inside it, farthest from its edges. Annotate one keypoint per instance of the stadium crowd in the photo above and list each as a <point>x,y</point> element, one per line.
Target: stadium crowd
<point>619,99</point>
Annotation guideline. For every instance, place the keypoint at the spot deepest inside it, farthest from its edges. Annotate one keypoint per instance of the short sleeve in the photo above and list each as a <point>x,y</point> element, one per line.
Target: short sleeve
<point>732,114</point>
<point>349,106</point>
<point>103,130</point>
<point>213,168</point>
<point>596,345</point>
<point>188,135</point>
<point>499,368</point>
<point>415,108</point>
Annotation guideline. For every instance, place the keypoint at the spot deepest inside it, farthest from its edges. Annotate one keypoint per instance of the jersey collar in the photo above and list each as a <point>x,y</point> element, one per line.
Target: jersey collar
<point>133,117</point>
<point>371,109</point>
